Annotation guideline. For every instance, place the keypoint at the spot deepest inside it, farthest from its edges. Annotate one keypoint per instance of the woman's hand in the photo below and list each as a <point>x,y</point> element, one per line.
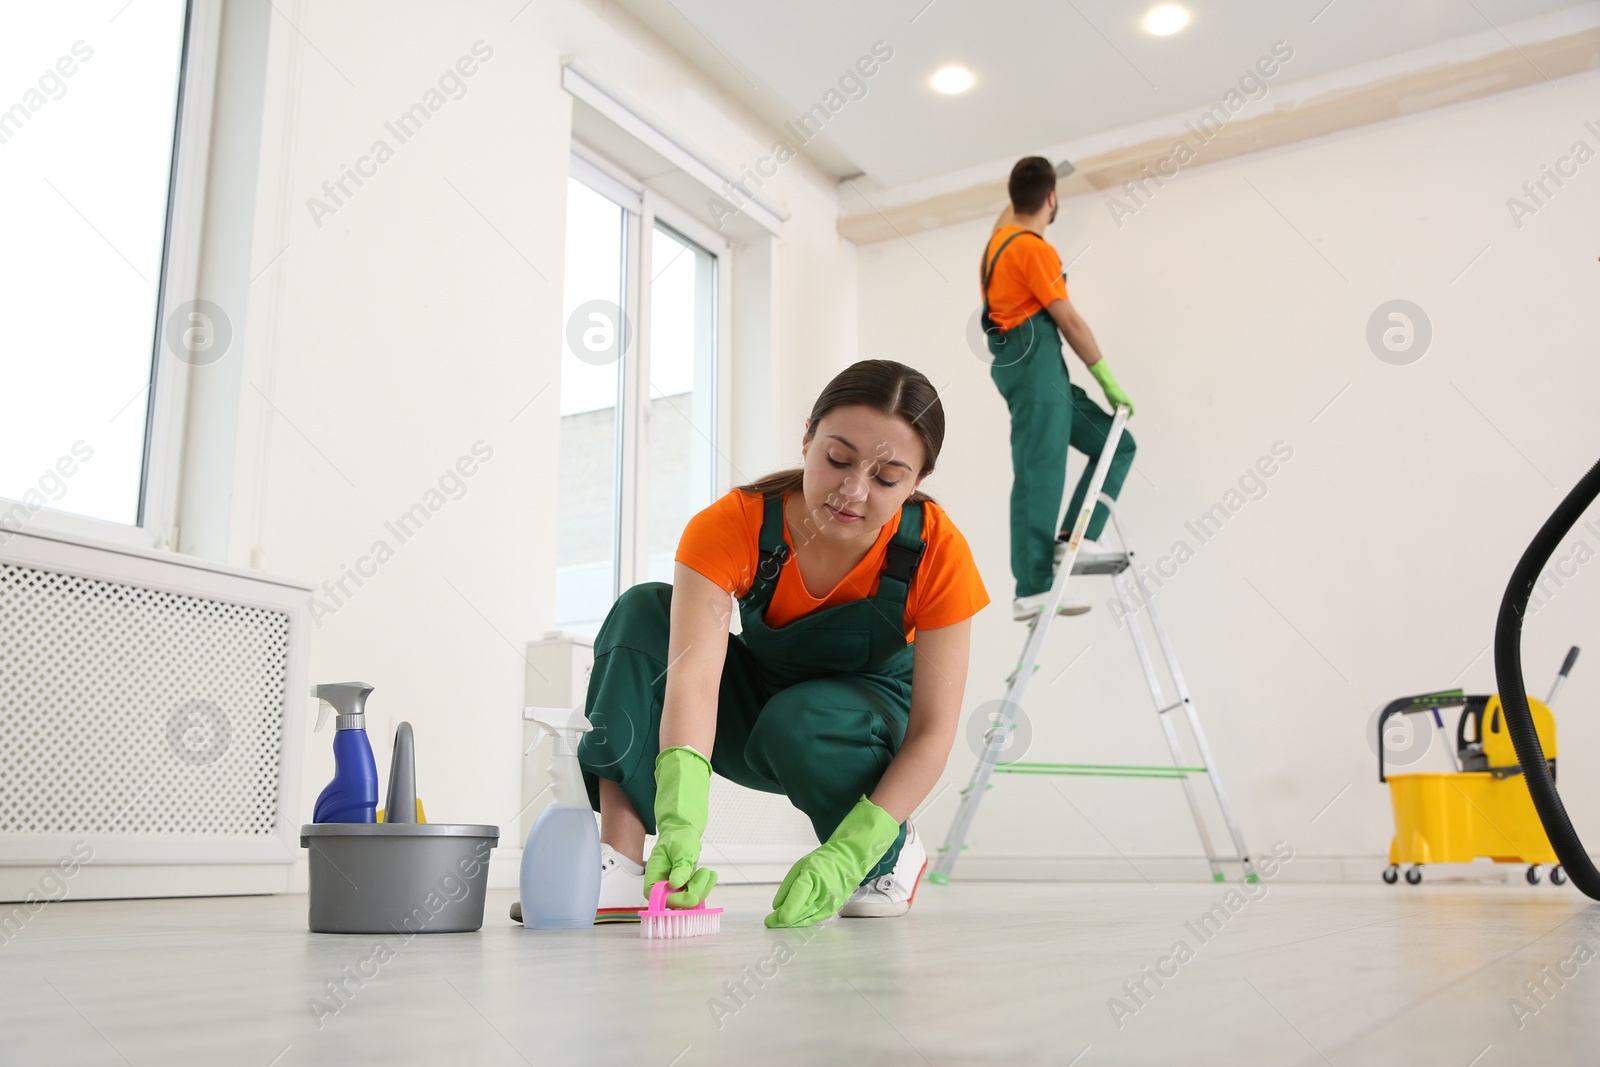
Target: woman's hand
<point>697,646</point>
<point>823,879</point>
<point>683,797</point>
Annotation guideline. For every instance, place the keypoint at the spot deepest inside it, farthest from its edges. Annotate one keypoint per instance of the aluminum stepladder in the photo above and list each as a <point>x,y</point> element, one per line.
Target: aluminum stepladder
<point>1114,566</point>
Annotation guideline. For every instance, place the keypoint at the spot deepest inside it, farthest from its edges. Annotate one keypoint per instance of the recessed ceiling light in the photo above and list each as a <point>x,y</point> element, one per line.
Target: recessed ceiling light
<point>1166,19</point>
<point>952,80</point>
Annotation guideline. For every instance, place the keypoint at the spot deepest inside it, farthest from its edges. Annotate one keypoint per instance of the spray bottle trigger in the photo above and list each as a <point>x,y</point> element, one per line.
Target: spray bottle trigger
<point>322,709</point>
<point>550,722</point>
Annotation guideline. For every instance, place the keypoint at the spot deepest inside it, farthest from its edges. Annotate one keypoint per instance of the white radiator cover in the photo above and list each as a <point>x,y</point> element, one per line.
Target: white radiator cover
<point>151,716</point>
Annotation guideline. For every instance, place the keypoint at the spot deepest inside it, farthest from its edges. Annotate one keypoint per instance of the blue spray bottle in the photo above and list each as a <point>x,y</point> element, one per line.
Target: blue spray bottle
<point>561,861</point>
<point>352,796</point>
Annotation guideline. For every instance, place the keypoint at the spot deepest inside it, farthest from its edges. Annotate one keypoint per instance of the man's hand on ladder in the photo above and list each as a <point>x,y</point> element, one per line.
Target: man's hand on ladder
<point>1115,394</point>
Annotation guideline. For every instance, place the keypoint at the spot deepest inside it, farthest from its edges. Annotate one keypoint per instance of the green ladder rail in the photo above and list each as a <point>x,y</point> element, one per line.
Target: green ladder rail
<point>1098,770</point>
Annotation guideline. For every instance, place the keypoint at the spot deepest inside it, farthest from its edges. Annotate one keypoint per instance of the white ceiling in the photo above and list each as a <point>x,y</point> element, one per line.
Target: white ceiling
<point>1047,73</point>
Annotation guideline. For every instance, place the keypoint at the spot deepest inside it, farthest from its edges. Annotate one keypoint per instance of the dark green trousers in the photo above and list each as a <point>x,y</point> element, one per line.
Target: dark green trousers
<point>1049,413</point>
<point>823,743</point>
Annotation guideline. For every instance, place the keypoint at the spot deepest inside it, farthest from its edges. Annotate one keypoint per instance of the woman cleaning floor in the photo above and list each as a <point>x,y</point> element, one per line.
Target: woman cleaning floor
<point>843,692</point>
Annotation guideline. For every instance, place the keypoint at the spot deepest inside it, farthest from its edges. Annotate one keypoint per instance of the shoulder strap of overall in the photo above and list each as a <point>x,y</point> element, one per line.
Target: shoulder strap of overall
<point>987,265</point>
<point>904,555</point>
<point>774,551</point>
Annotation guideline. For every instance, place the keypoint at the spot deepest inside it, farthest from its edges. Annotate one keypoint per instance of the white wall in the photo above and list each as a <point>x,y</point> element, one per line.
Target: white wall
<point>1233,307</point>
<point>422,317</point>
<point>379,347</point>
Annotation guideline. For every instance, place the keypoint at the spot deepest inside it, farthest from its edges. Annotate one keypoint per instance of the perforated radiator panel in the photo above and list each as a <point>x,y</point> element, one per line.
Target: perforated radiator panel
<point>129,711</point>
<point>740,816</point>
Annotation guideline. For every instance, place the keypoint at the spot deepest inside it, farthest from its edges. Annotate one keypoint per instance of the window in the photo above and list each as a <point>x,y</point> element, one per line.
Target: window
<point>586,533</point>
<point>682,417</point>
<point>88,131</point>
<point>640,412</point>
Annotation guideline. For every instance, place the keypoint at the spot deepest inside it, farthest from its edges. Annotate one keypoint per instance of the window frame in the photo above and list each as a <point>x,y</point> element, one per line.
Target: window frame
<point>166,396</point>
<point>643,208</point>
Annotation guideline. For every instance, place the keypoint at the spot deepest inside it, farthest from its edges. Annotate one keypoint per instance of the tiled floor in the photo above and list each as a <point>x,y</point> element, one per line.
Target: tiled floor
<point>978,973</point>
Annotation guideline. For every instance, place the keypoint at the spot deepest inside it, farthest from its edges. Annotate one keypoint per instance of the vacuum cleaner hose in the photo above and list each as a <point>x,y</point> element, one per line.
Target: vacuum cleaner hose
<point>1514,693</point>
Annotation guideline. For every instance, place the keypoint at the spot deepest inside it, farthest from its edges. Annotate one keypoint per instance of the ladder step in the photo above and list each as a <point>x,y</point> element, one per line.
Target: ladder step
<point>1112,564</point>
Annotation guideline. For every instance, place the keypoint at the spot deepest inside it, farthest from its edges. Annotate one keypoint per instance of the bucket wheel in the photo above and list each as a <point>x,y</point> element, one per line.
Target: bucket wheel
<point>1414,874</point>
<point>1391,873</point>
<point>1533,874</point>
<point>1557,875</point>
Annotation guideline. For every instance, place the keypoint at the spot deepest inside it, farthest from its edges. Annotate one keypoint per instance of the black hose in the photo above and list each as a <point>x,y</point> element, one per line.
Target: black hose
<point>1514,693</point>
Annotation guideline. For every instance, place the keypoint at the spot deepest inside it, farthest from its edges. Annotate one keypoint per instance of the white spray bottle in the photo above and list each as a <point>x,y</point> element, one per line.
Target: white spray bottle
<point>561,860</point>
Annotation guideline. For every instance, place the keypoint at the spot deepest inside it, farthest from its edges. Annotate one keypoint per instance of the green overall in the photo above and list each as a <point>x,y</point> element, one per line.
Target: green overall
<point>813,710</point>
<point>1048,413</point>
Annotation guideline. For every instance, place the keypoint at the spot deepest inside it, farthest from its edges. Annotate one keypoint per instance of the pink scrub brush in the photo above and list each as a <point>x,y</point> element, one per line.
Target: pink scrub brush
<point>660,921</point>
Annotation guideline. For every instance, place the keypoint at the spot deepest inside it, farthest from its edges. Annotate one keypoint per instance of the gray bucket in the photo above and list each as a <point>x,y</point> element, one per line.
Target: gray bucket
<point>398,878</point>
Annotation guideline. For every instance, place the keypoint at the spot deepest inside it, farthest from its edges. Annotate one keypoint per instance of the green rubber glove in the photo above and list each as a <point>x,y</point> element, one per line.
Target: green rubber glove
<point>683,800</point>
<point>823,879</point>
<point>1114,394</point>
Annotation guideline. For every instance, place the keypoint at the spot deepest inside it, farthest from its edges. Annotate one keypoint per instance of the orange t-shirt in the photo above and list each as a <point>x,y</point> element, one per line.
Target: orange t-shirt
<point>1027,278</point>
<point>723,542</point>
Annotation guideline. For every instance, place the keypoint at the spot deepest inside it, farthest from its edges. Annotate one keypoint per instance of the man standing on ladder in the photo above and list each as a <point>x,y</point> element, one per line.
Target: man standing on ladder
<point>1024,306</point>
<point>1025,315</point>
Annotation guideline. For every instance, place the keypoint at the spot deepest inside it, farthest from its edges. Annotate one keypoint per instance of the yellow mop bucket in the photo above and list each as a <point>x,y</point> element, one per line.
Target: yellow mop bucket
<point>1456,818</point>
<point>1483,810</point>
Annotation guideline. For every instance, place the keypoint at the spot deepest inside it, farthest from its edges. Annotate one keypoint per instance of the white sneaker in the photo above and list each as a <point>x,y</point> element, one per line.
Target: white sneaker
<point>892,893</point>
<point>1024,608</point>
<point>621,890</point>
<point>1088,551</point>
